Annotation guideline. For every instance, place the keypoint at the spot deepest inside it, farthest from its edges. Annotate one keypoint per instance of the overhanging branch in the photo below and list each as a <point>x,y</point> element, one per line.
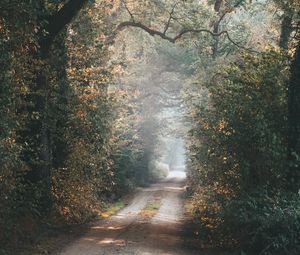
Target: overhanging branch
<point>215,33</point>
<point>170,18</point>
<point>162,35</point>
<point>127,9</point>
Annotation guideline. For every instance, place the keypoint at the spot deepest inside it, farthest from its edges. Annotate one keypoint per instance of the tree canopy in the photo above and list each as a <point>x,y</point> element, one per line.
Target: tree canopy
<point>98,97</point>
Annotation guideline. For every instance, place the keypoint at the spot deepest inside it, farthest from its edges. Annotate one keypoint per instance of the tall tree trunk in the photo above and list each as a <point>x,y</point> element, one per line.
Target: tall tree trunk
<point>294,123</point>
<point>38,130</point>
<point>216,40</point>
<point>286,29</point>
<point>45,154</point>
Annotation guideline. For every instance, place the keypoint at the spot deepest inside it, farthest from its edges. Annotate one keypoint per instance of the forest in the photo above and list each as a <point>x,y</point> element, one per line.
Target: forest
<point>102,99</point>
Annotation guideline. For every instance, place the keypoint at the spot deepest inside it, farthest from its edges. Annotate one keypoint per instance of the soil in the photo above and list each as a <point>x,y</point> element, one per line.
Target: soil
<point>131,232</point>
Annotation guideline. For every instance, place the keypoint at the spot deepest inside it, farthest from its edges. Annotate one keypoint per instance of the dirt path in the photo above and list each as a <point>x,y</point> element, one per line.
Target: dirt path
<point>130,232</point>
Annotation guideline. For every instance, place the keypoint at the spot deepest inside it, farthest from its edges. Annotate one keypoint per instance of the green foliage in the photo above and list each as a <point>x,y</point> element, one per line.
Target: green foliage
<point>238,154</point>
<point>128,152</point>
<point>17,41</point>
<point>82,118</point>
<point>64,139</point>
<point>158,170</point>
<point>69,143</point>
<point>264,222</point>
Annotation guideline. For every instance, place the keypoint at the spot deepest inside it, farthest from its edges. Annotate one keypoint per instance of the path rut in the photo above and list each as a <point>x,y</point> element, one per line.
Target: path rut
<point>128,232</point>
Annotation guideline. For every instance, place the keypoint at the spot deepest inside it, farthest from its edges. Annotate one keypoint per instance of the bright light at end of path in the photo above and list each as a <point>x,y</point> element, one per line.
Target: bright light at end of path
<point>180,175</point>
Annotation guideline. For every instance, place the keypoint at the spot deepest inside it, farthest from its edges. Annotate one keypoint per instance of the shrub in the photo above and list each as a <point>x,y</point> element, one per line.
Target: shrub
<point>158,170</point>
<point>238,157</point>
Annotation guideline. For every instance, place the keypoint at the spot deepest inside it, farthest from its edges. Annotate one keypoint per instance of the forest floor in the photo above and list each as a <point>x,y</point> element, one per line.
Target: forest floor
<point>153,223</point>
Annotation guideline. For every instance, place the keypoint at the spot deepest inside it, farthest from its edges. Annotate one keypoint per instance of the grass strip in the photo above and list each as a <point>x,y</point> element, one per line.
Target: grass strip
<point>151,208</point>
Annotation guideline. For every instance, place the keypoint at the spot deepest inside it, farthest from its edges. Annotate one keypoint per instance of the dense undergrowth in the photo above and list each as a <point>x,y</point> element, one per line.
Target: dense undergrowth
<point>238,166</point>
<point>75,135</point>
<point>69,145</point>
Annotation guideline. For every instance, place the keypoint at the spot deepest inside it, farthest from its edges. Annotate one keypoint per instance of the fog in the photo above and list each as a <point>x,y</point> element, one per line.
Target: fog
<point>152,75</point>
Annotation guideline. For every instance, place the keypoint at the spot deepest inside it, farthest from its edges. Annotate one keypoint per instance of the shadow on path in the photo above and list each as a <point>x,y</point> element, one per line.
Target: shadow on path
<point>128,232</point>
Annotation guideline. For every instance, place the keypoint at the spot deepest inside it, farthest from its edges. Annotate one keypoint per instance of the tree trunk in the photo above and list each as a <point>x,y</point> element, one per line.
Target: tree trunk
<point>38,131</point>
<point>294,123</point>
<point>45,154</point>
<point>286,30</point>
<point>216,40</point>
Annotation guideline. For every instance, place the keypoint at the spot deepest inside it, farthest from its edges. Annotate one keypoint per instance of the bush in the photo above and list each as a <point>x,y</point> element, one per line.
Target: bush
<point>238,158</point>
<point>158,170</point>
<point>260,223</point>
<point>266,224</point>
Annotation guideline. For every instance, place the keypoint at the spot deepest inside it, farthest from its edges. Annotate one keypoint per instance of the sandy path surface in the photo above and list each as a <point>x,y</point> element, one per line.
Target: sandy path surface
<point>128,232</point>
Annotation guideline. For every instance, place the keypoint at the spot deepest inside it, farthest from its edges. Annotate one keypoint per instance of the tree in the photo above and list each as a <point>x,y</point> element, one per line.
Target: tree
<point>185,28</point>
<point>288,18</point>
<point>50,24</point>
<point>289,27</point>
<point>294,122</point>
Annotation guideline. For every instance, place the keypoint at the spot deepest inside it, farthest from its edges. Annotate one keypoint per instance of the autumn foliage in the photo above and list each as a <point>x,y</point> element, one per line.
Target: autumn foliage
<point>238,157</point>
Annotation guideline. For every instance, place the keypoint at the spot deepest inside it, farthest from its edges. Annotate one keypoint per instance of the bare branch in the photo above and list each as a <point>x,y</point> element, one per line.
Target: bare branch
<point>150,31</point>
<point>221,19</point>
<point>127,9</point>
<point>153,32</point>
<point>215,33</point>
<point>225,13</point>
<point>170,18</point>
